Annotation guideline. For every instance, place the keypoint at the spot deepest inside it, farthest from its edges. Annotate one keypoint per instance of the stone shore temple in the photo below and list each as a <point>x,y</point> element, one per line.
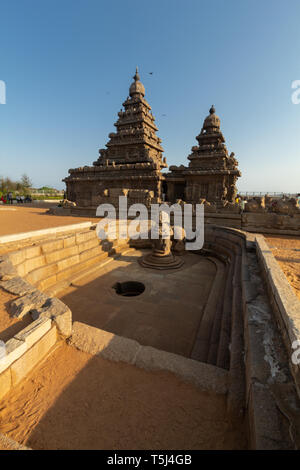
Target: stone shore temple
<point>212,173</point>
<point>130,165</point>
<point>132,162</point>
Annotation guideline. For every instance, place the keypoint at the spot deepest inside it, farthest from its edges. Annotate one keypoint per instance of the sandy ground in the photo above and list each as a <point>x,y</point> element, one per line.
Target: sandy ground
<point>286,250</point>
<point>77,401</point>
<point>18,219</point>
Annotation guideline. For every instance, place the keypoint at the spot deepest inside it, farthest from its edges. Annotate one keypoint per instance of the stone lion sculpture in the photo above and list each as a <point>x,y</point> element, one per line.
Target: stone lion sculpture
<point>208,206</point>
<point>256,204</point>
<point>287,206</point>
<point>66,203</point>
<point>231,207</point>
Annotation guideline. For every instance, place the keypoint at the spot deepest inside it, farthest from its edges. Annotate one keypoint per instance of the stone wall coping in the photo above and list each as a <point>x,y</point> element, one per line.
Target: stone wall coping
<point>117,348</point>
<point>24,340</point>
<point>48,231</point>
<point>286,304</point>
<point>284,296</point>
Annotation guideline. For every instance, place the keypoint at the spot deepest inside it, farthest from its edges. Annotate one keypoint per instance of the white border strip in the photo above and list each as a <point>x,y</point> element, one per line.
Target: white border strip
<point>48,231</point>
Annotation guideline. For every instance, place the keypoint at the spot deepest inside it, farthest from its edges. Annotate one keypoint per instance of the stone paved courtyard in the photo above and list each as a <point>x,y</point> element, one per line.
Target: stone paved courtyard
<point>166,315</point>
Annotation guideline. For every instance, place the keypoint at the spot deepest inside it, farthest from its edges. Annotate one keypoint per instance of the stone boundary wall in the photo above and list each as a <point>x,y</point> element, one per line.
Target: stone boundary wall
<point>96,341</point>
<point>24,351</point>
<point>266,222</point>
<point>270,400</point>
<point>284,301</point>
<point>44,232</point>
<point>255,222</point>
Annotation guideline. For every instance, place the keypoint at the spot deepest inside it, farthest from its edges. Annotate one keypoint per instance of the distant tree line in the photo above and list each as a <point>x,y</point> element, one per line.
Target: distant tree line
<point>22,186</point>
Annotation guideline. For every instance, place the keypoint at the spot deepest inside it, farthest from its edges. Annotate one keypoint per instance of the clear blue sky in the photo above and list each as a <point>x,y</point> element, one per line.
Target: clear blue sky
<point>68,65</point>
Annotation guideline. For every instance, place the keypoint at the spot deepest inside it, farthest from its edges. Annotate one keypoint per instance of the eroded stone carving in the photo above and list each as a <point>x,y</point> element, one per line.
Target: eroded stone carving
<point>212,173</point>
<point>132,159</point>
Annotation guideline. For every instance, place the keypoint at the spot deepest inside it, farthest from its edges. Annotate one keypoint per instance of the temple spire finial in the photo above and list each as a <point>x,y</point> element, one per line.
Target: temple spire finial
<point>212,110</point>
<point>136,76</point>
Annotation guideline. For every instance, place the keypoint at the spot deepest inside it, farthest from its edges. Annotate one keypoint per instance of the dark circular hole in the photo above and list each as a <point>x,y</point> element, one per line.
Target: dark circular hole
<point>129,288</point>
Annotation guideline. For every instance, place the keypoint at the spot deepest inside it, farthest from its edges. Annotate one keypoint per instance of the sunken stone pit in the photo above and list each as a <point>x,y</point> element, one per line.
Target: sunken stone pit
<point>224,320</point>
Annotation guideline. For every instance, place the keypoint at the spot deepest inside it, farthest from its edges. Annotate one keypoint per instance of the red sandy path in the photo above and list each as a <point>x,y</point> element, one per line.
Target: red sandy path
<point>26,219</point>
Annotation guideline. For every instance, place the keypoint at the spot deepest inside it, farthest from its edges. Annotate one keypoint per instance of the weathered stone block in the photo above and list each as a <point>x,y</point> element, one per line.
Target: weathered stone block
<point>34,263</point>
<point>32,251</point>
<point>42,273</point>
<point>69,241</point>
<point>17,257</point>
<point>33,332</point>
<point>85,236</point>
<point>67,273</point>
<point>22,367</point>
<point>265,426</point>
<point>17,286</point>
<point>60,313</point>
<point>21,306</point>
<point>90,253</point>
<point>205,376</point>
<point>88,245</point>
<point>45,283</point>
<point>21,269</point>
<point>7,269</point>
<point>53,245</point>
<point>99,342</point>
<point>58,255</point>
<point>14,349</point>
<point>66,263</point>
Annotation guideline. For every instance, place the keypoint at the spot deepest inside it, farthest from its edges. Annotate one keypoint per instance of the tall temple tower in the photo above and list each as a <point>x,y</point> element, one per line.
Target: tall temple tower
<point>212,173</point>
<point>130,165</point>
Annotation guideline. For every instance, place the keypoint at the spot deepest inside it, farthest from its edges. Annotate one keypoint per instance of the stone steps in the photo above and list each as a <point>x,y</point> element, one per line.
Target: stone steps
<point>56,261</point>
<point>216,330</point>
<point>201,346</point>
<point>76,276</point>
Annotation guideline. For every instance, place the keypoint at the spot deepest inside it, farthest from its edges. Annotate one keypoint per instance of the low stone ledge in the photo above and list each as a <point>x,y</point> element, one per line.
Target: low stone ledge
<point>286,302</point>
<point>33,332</point>
<point>24,351</point>
<point>55,310</point>
<point>99,342</point>
<point>32,356</point>
<point>266,363</point>
<point>116,348</point>
<point>15,348</point>
<point>44,232</point>
<point>205,376</point>
<point>268,432</point>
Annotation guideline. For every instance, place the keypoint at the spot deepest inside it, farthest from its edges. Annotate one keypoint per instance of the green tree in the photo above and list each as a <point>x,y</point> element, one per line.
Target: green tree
<point>26,182</point>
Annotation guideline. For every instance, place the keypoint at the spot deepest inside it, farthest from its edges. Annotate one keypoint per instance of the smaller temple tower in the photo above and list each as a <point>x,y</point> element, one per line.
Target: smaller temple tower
<point>212,173</point>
